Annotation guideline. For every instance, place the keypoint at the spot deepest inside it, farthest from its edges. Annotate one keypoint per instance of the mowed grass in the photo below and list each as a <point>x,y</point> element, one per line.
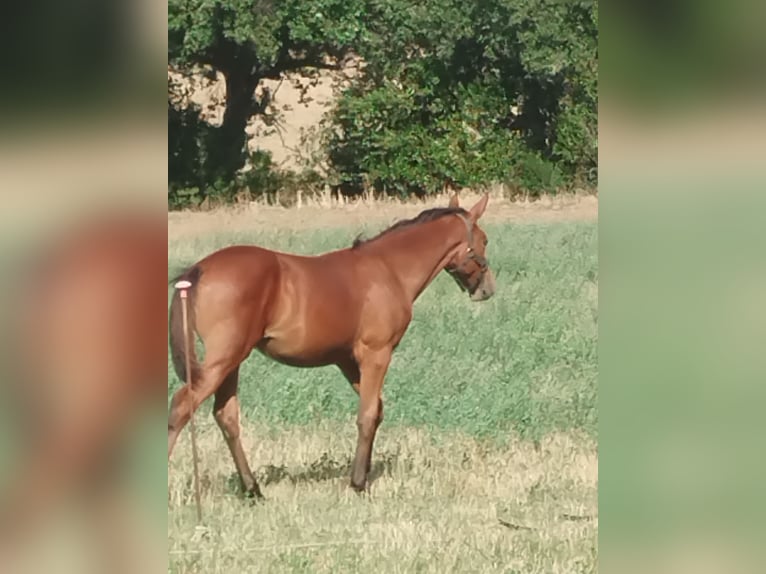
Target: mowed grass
<point>486,460</point>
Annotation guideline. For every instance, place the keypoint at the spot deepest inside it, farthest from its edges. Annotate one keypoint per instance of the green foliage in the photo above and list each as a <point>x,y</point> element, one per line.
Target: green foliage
<point>536,175</point>
<point>441,89</point>
<point>524,361</point>
<point>468,94</point>
<point>262,180</point>
<point>262,175</point>
<point>246,41</point>
<point>259,35</point>
<point>185,151</point>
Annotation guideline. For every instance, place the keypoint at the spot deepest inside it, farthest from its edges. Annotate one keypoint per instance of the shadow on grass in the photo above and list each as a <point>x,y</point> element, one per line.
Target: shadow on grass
<point>323,469</point>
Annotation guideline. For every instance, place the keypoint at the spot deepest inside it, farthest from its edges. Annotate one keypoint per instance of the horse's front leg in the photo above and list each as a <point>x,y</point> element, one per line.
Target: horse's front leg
<point>373,364</point>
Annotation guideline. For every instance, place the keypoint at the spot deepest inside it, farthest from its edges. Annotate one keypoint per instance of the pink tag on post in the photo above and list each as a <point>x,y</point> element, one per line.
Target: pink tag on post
<point>183,286</point>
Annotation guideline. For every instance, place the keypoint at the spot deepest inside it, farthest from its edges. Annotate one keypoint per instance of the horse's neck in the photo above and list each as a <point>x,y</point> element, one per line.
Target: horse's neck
<point>416,255</point>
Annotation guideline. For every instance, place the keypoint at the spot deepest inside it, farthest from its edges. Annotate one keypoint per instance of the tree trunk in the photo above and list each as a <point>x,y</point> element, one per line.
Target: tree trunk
<point>228,143</point>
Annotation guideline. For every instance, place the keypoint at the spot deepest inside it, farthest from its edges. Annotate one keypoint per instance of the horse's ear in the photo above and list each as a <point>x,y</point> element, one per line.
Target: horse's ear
<point>478,210</point>
<point>453,202</point>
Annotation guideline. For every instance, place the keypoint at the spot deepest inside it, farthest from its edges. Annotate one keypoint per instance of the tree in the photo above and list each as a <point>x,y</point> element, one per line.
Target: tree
<point>251,40</point>
<point>450,92</point>
<point>471,93</point>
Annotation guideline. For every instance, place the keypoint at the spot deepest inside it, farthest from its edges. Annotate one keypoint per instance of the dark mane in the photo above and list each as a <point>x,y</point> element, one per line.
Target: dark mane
<point>423,217</point>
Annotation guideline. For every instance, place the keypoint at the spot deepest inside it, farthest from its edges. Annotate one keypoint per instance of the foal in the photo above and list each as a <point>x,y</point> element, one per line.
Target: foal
<point>349,308</point>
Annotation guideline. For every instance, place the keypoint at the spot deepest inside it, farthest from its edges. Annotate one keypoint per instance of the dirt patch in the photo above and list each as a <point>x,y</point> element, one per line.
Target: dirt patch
<point>296,105</point>
<point>358,213</point>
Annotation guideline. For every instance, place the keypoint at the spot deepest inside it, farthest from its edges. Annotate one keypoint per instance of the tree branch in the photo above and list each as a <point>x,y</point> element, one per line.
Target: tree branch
<point>275,72</point>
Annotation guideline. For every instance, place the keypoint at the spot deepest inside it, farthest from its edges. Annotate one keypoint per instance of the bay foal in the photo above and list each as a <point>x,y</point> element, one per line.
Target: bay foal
<point>349,308</point>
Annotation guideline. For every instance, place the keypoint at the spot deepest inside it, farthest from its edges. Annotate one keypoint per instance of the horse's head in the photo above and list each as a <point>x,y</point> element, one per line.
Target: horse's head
<point>469,266</point>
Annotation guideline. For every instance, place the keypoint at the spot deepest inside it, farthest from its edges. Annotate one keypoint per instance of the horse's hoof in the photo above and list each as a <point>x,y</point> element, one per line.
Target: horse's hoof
<point>360,490</point>
<point>254,495</point>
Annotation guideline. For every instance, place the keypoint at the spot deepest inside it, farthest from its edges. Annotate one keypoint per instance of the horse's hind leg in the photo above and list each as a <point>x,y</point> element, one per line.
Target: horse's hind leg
<point>180,412</point>
<point>226,413</point>
<point>187,400</point>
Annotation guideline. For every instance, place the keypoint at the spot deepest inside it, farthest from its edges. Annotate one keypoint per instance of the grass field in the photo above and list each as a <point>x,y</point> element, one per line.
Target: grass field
<point>487,458</point>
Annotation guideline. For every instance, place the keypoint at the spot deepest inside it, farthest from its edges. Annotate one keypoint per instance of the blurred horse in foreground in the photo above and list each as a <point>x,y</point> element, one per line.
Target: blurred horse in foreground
<point>86,354</point>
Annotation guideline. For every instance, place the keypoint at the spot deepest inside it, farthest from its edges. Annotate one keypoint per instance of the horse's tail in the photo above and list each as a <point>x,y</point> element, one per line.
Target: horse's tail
<point>177,336</point>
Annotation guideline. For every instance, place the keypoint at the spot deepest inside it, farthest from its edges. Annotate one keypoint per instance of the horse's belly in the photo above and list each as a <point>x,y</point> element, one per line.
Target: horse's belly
<point>309,329</point>
<point>296,354</point>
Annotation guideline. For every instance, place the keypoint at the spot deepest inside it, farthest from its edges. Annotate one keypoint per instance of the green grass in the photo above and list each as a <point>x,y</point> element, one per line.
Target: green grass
<point>524,360</point>
<point>490,415</point>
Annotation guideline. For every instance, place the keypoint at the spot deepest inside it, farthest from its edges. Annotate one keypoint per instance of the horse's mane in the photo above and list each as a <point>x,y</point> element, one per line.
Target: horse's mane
<point>422,217</point>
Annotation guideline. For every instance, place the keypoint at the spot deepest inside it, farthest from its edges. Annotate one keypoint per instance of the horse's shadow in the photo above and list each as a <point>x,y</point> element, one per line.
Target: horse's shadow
<point>323,469</point>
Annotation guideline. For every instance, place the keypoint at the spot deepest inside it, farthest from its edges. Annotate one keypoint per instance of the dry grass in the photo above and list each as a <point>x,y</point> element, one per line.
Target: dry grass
<point>440,503</point>
<point>328,214</point>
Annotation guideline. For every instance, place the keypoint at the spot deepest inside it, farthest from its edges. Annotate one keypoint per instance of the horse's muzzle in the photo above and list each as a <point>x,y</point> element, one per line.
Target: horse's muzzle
<point>486,288</point>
